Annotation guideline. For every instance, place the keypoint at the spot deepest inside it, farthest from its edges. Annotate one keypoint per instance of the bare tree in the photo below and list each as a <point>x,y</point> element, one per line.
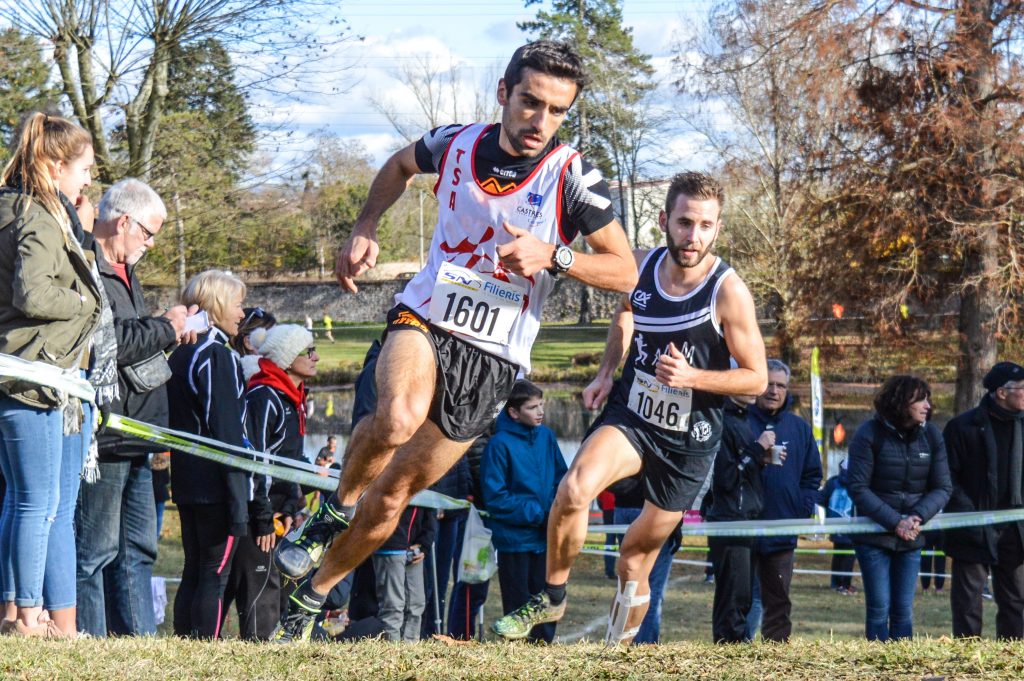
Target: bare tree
<point>439,92</point>
<point>113,56</point>
<point>763,101</point>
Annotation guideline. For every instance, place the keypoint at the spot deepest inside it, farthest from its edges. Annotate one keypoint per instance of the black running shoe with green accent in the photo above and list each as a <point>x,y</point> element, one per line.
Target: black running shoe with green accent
<point>538,610</point>
<point>296,557</point>
<point>297,623</point>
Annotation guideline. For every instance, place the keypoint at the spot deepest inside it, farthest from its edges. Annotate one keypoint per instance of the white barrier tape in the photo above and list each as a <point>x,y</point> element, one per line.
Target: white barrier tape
<point>48,375</point>
<point>797,526</point>
<point>796,571</point>
<point>180,442</point>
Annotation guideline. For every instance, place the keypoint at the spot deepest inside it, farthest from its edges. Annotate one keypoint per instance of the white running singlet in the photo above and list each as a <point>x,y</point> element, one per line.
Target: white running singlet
<point>476,298</point>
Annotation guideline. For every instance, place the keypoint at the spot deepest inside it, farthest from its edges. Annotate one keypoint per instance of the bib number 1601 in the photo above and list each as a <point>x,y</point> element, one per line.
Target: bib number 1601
<point>464,312</point>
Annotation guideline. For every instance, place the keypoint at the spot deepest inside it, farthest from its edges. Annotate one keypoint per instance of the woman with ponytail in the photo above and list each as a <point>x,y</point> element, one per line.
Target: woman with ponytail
<point>50,309</point>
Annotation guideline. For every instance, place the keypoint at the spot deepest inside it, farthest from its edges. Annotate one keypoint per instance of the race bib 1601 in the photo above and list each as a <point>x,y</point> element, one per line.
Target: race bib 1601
<point>475,304</point>
<point>660,405</point>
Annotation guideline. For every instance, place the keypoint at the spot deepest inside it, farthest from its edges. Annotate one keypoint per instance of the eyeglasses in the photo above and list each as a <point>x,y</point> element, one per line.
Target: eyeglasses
<point>310,351</point>
<point>254,313</point>
<point>1013,387</point>
<point>778,386</point>
<point>145,232</point>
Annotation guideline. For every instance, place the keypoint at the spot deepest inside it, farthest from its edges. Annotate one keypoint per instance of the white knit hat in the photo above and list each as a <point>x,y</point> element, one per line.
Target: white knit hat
<point>281,344</point>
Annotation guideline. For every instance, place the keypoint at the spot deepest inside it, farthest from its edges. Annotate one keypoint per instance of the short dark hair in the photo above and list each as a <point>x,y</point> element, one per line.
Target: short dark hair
<point>547,57</point>
<point>893,401</point>
<point>522,392</point>
<point>699,186</point>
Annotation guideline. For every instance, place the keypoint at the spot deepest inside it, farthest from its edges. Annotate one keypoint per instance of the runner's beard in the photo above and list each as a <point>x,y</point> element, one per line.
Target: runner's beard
<point>674,251</point>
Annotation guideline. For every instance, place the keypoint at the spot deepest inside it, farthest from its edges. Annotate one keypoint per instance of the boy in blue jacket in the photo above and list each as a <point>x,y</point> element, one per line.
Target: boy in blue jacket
<point>520,471</point>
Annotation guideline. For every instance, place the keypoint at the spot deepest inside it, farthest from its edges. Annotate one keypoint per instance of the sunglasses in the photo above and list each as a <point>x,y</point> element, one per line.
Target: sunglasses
<point>310,351</point>
<point>254,313</point>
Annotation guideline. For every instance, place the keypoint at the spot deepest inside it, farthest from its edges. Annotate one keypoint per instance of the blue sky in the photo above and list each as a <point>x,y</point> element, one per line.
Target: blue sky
<point>477,37</point>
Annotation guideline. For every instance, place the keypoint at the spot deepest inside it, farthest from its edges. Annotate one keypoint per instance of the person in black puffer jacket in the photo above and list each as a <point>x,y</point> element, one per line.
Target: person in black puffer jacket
<point>738,492</point>
<point>899,477</point>
<point>205,393</point>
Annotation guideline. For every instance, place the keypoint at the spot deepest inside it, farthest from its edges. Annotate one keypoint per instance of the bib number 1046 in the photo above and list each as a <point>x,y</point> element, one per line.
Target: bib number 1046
<point>660,405</point>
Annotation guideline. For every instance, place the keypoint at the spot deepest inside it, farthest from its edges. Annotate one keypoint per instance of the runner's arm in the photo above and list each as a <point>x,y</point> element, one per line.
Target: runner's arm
<point>360,250</point>
<point>738,319</point>
<point>609,267</point>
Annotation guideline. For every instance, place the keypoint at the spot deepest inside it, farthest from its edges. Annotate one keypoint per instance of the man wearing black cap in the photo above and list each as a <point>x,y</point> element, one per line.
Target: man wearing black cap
<point>986,457</point>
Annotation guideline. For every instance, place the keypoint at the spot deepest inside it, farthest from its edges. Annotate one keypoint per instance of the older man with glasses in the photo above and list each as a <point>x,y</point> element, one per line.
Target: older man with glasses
<point>985,449</point>
<point>790,491</point>
<point>115,521</point>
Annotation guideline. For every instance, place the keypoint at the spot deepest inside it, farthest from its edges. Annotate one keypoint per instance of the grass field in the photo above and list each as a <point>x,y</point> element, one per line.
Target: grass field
<point>828,642</point>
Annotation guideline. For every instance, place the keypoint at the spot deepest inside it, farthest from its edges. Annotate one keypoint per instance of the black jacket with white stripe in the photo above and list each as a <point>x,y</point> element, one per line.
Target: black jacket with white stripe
<point>206,394</point>
<point>272,424</point>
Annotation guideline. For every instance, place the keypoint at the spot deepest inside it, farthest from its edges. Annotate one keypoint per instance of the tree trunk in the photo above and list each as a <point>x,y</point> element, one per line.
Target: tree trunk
<point>978,320</point>
<point>586,314</point>
<point>179,232</point>
<point>978,301</point>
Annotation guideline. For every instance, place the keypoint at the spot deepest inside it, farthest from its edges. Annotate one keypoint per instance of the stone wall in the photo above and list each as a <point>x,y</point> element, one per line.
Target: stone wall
<point>294,301</point>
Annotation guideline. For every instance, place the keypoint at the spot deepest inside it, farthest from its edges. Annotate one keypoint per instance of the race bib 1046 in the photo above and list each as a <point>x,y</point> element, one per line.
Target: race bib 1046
<point>660,405</point>
<point>475,304</point>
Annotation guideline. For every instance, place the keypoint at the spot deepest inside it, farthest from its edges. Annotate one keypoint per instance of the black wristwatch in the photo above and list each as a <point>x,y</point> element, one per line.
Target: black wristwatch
<point>561,260</point>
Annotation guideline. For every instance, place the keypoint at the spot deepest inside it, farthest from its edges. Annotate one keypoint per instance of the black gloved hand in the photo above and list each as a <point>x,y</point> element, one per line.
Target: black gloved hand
<point>104,420</point>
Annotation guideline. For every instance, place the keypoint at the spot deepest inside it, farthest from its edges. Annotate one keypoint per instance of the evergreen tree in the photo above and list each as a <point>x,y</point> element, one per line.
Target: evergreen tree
<point>619,74</point>
<point>24,81</point>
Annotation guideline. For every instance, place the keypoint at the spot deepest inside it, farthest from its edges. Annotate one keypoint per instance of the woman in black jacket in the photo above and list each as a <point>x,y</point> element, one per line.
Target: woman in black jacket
<point>276,424</point>
<point>205,393</point>
<point>899,478</point>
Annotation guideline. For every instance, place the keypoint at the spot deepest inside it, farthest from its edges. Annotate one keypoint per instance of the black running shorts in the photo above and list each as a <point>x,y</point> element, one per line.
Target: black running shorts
<point>472,385</point>
<point>671,477</point>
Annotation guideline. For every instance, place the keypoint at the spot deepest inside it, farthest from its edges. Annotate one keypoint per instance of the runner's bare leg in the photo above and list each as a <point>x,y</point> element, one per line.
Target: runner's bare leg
<point>415,466</point>
<point>604,457</point>
<point>405,376</point>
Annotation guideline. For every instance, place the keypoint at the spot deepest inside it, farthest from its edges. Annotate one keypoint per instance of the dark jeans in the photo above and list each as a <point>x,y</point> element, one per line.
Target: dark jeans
<point>116,526</point>
<point>449,534</point>
<point>732,560</point>
<point>521,574</point>
<point>254,585</point>
<point>933,564</point>
<point>775,572</point>
<point>608,516</point>
<point>842,562</point>
<point>466,602</point>
<point>890,578</point>
<point>969,581</point>
<point>208,551</point>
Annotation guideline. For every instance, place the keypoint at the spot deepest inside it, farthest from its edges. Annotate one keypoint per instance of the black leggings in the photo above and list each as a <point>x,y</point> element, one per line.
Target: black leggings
<point>199,605</point>
<point>254,585</point>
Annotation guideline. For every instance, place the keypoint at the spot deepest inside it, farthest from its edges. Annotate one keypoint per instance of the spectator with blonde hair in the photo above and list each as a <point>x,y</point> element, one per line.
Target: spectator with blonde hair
<point>206,395</point>
<point>50,307</point>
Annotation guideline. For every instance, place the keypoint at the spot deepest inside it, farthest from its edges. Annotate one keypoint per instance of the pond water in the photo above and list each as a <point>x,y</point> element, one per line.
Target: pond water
<point>564,413</point>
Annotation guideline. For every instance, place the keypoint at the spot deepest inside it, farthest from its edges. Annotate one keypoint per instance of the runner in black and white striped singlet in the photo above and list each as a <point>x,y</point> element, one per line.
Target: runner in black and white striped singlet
<point>683,420</point>
<point>688,313</point>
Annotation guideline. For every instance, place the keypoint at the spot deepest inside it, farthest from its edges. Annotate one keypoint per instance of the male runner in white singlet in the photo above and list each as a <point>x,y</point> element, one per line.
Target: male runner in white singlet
<point>687,315</point>
<point>511,200</point>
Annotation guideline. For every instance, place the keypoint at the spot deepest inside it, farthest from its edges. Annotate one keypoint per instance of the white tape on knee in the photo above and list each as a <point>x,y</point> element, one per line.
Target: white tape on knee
<point>625,599</point>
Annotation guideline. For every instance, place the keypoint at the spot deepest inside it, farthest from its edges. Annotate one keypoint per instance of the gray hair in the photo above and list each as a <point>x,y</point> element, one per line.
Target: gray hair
<point>779,365</point>
<point>131,197</point>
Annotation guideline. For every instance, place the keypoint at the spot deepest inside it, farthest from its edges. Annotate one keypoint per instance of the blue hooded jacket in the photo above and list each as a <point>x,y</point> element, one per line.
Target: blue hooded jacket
<point>790,490</point>
<point>519,475</point>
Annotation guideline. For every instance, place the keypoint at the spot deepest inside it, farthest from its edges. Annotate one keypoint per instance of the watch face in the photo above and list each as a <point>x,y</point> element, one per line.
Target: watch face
<point>564,257</point>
